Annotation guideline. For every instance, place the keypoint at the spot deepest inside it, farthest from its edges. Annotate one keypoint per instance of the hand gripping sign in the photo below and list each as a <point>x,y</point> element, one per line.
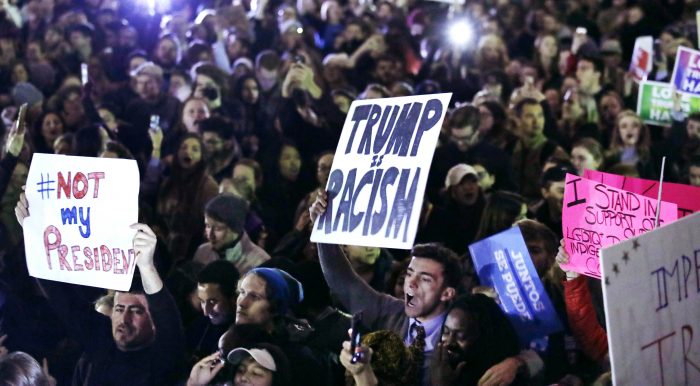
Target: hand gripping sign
<point>503,262</point>
<point>80,212</point>
<point>597,215</point>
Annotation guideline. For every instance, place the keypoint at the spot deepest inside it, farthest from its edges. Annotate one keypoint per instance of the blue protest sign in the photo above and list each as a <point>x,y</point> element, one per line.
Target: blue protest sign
<point>503,262</point>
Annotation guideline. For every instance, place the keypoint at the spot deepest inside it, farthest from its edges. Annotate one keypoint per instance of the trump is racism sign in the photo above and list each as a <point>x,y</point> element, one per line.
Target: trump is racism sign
<point>376,185</point>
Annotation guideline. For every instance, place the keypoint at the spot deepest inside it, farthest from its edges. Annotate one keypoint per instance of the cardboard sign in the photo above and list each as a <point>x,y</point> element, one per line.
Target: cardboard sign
<point>80,212</point>
<point>686,71</point>
<point>640,65</point>
<point>503,262</point>
<point>596,215</point>
<point>685,196</point>
<point>655,103</point>
<point>377,182</point>
<point>652,306</point>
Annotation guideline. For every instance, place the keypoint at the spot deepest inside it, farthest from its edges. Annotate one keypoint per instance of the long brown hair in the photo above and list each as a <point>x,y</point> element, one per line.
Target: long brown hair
<point>643,143</point>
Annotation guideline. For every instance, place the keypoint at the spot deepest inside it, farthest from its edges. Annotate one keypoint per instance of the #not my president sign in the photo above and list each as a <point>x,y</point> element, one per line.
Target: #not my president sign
<point>377,182</point>
<point>652,306</point>
<point>597,215</point>
<point>80,212</point>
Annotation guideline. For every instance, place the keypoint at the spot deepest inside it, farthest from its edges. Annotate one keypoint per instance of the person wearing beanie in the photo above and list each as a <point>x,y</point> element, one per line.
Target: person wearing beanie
<point>224,220</point>
<point>25,92</point>
<point>266,297</point>
<point>147,82</point>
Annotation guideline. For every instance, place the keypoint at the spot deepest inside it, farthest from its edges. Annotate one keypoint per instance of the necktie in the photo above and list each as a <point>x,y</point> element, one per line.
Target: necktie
<point>418,333</point>
<point>418,348</point>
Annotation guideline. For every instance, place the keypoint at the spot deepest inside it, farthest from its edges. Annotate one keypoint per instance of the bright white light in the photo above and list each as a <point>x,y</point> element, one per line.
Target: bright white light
<point>460,33</point>
<point>151,6</point>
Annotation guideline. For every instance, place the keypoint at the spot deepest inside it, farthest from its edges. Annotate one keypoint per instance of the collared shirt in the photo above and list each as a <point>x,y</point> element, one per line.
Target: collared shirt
<point>433,331</point>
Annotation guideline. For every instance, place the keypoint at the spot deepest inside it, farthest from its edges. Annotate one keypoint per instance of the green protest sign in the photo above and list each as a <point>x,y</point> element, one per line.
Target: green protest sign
<point>655,103</point>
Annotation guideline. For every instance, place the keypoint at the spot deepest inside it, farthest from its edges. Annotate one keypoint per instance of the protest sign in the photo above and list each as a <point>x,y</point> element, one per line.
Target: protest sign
<point>80,212</point>
<point>652,304</point>
<point>376,185</point>
<point>655,103</point>
<point>503,262</point>
<point>697,25</point>
<point>686,71</point>
<point>640,65</point>
<point>597,215</point>
<point>685,196</point>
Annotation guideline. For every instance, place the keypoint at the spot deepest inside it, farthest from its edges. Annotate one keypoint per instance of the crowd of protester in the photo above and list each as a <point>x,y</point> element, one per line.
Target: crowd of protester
<point>233,111</point>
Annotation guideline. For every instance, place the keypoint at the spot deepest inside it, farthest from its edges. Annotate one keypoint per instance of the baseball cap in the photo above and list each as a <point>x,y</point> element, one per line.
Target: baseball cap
<point>261,356</point>
<point>457,173</point>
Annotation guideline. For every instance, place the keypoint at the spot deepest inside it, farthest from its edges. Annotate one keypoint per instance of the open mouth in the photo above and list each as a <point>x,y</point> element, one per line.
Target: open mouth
<point>409,300</point>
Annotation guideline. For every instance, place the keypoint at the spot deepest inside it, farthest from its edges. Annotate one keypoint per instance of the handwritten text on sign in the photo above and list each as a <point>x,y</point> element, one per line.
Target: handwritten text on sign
<point>80,212</point>
<point>376,185</point>
<point>596,215</point>
<point>503,262</point>
<point>685,196</point>
<point>686,71</point>
<point>652,303</point>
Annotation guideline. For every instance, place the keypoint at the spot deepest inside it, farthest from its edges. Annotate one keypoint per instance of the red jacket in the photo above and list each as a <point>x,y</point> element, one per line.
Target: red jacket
<point>582,319</point>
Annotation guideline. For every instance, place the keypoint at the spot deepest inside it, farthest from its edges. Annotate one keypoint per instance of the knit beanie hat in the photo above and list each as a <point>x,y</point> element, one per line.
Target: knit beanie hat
<point>229,209</point>
<point>286,290</point>
<point>25,92</point>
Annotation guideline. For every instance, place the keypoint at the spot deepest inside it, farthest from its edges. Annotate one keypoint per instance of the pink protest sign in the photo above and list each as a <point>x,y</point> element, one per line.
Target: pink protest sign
<point>596,216</point>
<point>685,196</point>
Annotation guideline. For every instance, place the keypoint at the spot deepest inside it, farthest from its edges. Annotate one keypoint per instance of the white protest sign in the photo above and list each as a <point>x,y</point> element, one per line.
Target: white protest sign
<point>652,305</point>
<point>640,65</point>
<point>377,182</point>
<point>80,210</point>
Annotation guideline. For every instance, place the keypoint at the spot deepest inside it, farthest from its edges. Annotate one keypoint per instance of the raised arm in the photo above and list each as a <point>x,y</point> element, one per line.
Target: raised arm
<point>353,292</point>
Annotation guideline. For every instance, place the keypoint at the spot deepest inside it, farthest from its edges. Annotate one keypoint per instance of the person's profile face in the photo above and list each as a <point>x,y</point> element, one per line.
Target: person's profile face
<point>250,373</point>
<point>694,175</point>
<point>218,233</point>
<point>244,181</point>
<point>693,129</point>
<point>323,169</point>
<point>215,306</point>
<point>51,128</point>
<point>252,305</point>
<point>132,327</point>
<point>189,154</point>
<point>423,288</point>
<point>583,159</point>
<point>463,137</point>
<point>466,193</point>
<point>289,163</point>
<point>630,130</point>
<point>166,52</point>
<point>250,91</point>
<point>555,194</point>
<point>456,335</point>
<point>532,120</point>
